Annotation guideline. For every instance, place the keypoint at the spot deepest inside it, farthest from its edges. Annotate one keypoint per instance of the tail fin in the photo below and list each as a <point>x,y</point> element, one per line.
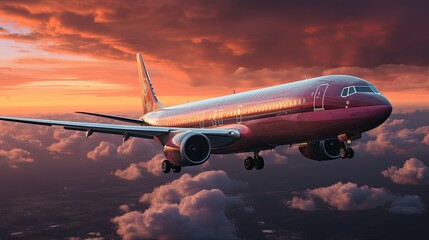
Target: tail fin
<point>149,100</point>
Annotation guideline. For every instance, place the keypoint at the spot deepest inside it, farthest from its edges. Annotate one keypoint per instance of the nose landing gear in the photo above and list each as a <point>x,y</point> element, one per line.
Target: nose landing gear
<point>256,161</point>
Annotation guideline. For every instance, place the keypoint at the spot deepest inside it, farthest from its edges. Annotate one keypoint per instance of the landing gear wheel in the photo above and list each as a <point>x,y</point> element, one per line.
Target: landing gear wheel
<point>259,162</point>
<point>343,153</point>
<point>350,153</point>
<point>248,163</point>
<point>166,166</point>
<point>176,169</point>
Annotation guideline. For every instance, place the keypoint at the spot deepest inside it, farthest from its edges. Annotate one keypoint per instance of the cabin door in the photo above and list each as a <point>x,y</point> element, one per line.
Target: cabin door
<point>319,97</point>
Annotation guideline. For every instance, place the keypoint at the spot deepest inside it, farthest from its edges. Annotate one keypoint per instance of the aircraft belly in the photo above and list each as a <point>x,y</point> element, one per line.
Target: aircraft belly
<point>314,125</point>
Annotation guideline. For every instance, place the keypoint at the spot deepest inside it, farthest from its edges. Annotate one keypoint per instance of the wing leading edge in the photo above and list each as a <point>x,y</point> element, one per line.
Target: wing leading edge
<point>220,137</point>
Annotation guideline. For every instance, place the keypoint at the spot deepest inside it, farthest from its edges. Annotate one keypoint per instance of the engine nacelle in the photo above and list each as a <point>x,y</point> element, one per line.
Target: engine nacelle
<point>187,149</point>
<point>321,150</point>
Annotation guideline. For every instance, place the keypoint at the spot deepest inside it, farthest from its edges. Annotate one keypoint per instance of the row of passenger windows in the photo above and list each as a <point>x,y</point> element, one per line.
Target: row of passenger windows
<point>216,116</point>
<point>347,91</point>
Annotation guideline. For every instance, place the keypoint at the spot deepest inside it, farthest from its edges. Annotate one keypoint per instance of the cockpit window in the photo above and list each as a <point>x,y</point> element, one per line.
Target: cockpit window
<point>363,89</point>
<point>347,91</point>
<point>374,89</point>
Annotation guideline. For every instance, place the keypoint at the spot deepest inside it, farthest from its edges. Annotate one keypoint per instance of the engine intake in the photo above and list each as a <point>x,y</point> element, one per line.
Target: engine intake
<point>321,150</point>
<point>188,148</point>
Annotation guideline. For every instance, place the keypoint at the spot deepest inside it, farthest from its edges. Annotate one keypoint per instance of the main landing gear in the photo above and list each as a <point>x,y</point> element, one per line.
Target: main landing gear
<point>255,161</point>
<point>167,167</point>
<point>347,151</point>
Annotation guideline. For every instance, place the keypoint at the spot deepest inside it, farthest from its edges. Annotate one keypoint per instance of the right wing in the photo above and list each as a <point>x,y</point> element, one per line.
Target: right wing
<point>218,137</point>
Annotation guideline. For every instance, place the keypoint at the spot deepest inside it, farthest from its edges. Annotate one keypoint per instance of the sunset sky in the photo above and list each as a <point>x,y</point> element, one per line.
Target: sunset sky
<point>59,57</point>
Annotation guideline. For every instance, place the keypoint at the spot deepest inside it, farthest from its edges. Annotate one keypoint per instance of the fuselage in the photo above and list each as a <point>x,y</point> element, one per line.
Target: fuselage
<point>312,109</point>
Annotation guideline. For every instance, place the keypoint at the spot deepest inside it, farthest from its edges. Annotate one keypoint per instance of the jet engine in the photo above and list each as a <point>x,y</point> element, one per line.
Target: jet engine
<point>187,149</point>
<point>321,150</point>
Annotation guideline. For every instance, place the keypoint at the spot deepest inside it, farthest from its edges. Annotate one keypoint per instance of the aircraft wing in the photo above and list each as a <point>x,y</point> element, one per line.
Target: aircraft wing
<point>219,137</point>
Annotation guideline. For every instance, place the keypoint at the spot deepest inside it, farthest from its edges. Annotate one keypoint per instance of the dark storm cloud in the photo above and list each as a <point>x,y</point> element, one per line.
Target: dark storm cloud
<point>254,35</point>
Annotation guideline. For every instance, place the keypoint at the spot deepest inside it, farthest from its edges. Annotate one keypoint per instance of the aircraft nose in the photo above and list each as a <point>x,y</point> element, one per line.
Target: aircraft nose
<point>381,111</point>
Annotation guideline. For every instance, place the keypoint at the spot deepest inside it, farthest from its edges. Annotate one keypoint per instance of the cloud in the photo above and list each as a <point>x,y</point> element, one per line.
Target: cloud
<point>395,135</point>
<point>132,172</point>
<point>191,207</point>
<point>410,204</point>
<point>301,204</point>
<point>350,197</point>
<point>413,172</point>
<point>124,208</point>
<point>194,38</point>
<point>104,151</point>
<point>153,166</point>
<point>69,143</point>
<point>10,158</point>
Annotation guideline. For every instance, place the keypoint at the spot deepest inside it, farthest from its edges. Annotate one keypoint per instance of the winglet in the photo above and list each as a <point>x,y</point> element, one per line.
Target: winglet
<point>149,100</point>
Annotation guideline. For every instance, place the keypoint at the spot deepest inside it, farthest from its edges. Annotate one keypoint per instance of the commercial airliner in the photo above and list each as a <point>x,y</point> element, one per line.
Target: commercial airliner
<point>324,115</point>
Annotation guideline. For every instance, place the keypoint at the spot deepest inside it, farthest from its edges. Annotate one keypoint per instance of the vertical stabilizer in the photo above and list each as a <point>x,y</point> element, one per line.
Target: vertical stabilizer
<point>149,100</point>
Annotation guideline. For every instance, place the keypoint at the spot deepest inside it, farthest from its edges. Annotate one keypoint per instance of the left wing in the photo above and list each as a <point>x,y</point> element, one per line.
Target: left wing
<point>219,137</point>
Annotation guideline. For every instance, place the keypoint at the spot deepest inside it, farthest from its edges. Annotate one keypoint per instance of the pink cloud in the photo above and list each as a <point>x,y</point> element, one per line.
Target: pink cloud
<point>104,151</point>
<point>350,197</point>
<point>413,172</point>
<point>10,158</point>
<point>301,204</point>
<point>395,137</point>
<point>68,143</point>
<point>153,166</point>
<point>132,172</point>
<point>124,208</point>
<point>191,207</point>
<point>426,140</point>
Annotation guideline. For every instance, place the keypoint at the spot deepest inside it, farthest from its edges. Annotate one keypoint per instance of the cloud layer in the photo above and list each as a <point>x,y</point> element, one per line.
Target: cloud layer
<point>350,197</point>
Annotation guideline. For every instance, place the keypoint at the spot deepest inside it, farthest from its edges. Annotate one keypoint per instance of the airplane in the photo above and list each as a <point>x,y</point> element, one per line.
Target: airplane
<point>324,115</point>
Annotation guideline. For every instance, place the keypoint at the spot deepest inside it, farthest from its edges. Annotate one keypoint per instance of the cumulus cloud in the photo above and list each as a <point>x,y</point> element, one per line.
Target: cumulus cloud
<point>124,208</point>
<point>104,151</point>
<point>410,204</point>
<point>395,136</point>
<point>68,143</point>
<point>132,172</point>
<point>153,166</point>
<point>191,207</point>
<point>301,203</point>
<point>350,197</point>
<point>413,172</point>
<point>10,158</point>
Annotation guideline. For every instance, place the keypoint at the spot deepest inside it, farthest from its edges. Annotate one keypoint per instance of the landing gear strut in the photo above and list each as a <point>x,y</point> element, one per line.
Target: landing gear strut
<point>256,161</point>
<point>347,151</point>
<point>167,167</point>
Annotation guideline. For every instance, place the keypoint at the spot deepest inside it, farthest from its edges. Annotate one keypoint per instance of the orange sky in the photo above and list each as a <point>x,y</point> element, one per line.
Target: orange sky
<point>73,56</point>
